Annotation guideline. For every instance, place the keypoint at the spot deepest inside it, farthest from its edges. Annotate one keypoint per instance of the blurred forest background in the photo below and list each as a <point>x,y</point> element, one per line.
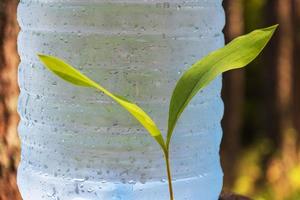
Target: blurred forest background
<point>261,144</point>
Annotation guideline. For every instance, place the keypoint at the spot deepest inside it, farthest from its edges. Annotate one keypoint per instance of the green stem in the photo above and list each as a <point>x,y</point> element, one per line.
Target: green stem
<point>166,153</point>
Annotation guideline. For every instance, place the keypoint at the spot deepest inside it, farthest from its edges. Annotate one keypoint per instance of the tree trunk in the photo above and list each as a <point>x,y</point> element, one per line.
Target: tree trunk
<point>281,61</point>
<point>9,143</point>
<point>270,76</point>
<point>296,25</point>
<point>285,71</point>
<point>233,96</point>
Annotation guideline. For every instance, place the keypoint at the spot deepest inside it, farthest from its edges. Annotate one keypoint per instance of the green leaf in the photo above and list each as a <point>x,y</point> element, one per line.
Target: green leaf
<point>237,54</point>
<point>72,75</point>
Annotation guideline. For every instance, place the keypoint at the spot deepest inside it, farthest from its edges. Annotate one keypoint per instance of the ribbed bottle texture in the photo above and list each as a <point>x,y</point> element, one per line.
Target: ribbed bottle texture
<point>79,145</point>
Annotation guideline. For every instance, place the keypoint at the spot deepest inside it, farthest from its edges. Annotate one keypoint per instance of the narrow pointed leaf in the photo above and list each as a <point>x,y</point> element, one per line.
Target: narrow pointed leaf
<point>237,54</point>
<point>72,75</point>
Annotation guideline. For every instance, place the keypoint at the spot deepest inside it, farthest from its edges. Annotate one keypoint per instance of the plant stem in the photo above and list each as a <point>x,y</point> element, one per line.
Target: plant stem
<point>166,153</point>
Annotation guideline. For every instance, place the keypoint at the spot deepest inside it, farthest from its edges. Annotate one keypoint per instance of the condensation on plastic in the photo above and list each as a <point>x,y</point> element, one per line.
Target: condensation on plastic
<point>79,145</point>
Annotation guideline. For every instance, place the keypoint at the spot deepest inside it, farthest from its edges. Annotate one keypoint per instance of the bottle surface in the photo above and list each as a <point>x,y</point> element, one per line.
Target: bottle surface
<point>79,145</point>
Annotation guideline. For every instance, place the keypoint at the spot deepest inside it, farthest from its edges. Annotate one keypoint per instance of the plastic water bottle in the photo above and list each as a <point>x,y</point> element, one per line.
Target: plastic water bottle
<point>79,145</point>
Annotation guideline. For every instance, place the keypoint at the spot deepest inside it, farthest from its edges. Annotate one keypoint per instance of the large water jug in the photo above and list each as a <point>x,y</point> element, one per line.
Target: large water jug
<point>79,145</point>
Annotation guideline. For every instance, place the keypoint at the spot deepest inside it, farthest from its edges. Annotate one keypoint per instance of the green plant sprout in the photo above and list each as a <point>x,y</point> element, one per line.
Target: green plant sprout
<point>237,54</point>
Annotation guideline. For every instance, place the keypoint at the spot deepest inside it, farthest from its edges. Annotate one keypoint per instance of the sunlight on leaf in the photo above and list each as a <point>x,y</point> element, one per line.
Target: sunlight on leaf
<point>237,54</point>
<point>72,75</point>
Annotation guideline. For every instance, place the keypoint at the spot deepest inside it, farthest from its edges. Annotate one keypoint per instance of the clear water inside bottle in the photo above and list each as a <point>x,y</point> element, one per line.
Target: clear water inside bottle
<point>79,145</point>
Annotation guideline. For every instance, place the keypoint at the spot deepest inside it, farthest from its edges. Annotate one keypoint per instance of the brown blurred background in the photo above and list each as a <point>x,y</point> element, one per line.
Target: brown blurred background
<point>261,144</point>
